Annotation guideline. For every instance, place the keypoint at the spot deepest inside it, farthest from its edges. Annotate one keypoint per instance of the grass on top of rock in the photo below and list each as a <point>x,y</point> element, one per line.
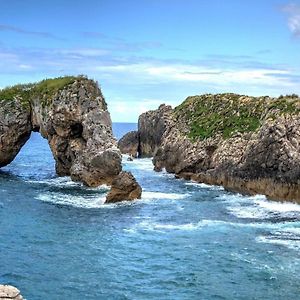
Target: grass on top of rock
<point>45,89</point>
<point>228,114</point>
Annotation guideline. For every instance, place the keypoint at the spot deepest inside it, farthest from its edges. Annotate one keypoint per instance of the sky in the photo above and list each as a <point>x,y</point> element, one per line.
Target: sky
<point>147,52</point>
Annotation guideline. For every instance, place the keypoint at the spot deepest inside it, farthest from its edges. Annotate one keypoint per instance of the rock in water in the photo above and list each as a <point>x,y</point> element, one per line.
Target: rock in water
<point>129,143</point>
<point>246,144</point>
<point>71,113</point>
<point>124,187</point>
<point>8,292</point>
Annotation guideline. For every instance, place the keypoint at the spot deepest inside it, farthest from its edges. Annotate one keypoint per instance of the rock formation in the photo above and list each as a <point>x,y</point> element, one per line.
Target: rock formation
<point>124,187</point>
<point>247,144</point>
<point>129,144</point>
<point>151,127</point>
<point>8,292</point>
<point>71,113</point>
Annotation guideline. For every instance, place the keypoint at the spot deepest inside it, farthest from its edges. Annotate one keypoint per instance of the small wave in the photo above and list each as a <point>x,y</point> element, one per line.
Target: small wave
<point>259,207</point>
<point>288,243</point>
<point>205,186</point>
<point>67,182</point>
<point>160,195</point>
<point>73,200</point>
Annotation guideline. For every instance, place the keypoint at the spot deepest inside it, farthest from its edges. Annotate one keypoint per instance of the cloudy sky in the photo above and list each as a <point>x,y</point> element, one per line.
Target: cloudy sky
<point>147,52</point>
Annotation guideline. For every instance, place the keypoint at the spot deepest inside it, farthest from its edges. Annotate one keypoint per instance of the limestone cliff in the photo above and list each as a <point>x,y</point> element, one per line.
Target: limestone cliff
<point>146,140</point>
<point>71,113</point>
<point>247,144</point>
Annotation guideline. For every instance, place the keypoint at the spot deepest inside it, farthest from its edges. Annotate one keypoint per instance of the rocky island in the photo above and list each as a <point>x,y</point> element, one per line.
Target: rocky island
<point>71,113</point>
<point>246,144</point>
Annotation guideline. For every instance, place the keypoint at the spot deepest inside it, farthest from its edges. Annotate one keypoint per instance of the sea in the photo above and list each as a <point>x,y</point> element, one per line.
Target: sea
<point>182,240</point>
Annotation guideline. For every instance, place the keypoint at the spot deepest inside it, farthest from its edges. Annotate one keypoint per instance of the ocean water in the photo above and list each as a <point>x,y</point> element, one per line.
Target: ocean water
<point>182,240</point>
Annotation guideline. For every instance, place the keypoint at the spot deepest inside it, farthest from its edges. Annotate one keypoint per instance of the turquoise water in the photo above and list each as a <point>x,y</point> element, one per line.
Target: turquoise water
<point>182,240</point>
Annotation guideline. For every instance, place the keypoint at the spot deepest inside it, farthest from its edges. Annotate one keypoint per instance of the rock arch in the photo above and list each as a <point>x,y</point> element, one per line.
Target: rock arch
<point>71,113</point>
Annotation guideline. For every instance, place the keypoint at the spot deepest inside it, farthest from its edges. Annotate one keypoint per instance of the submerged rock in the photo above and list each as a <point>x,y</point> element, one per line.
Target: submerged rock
<point>124,187</point>
<point>71,113</point>
<point>9,292</point>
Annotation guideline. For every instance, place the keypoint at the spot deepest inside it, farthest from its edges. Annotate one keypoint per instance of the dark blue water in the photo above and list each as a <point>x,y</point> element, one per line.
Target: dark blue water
<point>181,241</point>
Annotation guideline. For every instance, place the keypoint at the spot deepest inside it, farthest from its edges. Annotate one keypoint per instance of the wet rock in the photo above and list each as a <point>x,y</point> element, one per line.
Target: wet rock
<point>124,187</point>
<point>9,292</point>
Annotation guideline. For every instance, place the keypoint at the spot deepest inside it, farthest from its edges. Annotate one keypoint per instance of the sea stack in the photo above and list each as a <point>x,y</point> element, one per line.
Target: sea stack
<point>71,113</point>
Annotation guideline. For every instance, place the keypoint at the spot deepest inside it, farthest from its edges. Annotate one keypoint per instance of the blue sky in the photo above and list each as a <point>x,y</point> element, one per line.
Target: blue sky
<point>147,52</point>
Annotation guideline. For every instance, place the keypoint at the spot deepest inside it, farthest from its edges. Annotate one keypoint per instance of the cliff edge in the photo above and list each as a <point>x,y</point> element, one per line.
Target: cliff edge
<point>246,144</point>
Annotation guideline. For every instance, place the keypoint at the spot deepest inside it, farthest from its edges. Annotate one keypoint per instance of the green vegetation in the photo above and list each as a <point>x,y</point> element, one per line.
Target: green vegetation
<point>44,89</point>
<point>228,114</point>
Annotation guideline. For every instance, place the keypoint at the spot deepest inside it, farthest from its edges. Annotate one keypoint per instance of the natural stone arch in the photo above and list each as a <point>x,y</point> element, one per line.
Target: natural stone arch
<point>71,113</point>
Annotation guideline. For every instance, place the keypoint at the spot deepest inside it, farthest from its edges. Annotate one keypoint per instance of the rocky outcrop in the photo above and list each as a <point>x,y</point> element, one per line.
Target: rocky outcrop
<point>246,144</point>
<point>129,144</point>
<point>9,292</point>
<point>151,127</point>
<point>124,187</point>
<point>71,113</point>
<point>15,129</point>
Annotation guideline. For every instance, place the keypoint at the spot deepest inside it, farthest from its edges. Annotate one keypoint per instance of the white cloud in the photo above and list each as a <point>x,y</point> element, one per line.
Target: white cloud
<point>293,11</point>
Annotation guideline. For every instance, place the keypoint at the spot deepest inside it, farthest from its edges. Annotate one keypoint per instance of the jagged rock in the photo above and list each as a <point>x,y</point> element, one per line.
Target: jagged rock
<point>124,187</point>
<point>9,292</point>
<point>71,113</point>
<point>151,127</point>
<point>129,143</point>
<point>247,144</point>
<point>15,129</point>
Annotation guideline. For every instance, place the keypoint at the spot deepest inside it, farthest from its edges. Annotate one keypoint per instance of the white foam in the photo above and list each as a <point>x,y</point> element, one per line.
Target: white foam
<point>259,207</point>
<point>139,163</point>
<point>204,186</point>
<point>160,195</point>
<point>278,206</point>
<point>94,201</point>
<point>67,182</point>
<point>291,244</point>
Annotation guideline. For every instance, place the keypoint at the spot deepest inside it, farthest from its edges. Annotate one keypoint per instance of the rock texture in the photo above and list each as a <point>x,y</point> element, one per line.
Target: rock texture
<point>15,129</point>
<point>246,144</point>
<point>124,187</point>
<point>129,144</point>
<point>8,292</point>
<point>71,113</point>
<point>151,127</point>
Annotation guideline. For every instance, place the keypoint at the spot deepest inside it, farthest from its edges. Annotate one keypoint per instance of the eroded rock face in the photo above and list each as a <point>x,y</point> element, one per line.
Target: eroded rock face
<point>78,127</point>
<point>73,118</point>
<point>151,127</point>
<point>124,187</point>
<point>15,129</point>
<point>129,143</point>
<point>265,160</point>
<point>8,292</point>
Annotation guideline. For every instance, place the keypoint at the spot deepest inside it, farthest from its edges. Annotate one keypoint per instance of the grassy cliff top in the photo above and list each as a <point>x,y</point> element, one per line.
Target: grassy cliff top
<point>46,87</point>
<point>226,114</point>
